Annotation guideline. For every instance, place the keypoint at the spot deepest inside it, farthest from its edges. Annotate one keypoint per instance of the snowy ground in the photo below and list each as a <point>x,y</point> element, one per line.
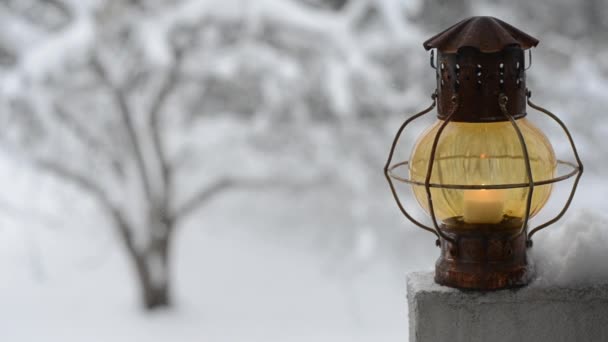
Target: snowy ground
<point>237,279</point>
<point>260,291</point>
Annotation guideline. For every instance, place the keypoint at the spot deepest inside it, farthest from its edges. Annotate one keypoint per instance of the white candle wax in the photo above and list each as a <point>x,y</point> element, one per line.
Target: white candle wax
<point>483,206</point>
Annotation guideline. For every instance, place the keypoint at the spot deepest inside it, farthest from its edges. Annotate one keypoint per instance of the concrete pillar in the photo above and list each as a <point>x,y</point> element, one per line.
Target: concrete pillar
<point>533,313</point>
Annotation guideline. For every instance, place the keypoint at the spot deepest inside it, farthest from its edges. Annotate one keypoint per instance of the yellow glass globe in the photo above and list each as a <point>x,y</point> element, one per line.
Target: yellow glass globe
<point>482,154</point>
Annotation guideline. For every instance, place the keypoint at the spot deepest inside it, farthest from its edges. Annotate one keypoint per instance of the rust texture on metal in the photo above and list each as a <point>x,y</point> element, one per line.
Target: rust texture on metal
<point>481,78</point>
<point>477,59</point>
<point>486,34</point>
<point>477,79</point>
<point>482,257</point>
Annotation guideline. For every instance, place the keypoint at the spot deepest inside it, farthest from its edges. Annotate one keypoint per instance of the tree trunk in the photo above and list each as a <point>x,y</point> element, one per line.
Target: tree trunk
<point>153,273</point>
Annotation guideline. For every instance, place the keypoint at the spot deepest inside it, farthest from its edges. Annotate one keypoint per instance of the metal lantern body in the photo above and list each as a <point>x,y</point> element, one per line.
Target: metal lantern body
<point>482,170</point>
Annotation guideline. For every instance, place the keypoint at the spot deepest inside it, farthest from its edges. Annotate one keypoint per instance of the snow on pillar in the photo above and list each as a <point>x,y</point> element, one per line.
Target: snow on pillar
<point>533,313</point>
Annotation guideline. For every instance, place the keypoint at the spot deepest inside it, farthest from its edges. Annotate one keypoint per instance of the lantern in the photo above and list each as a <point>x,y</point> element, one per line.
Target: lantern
<point>482,170</point>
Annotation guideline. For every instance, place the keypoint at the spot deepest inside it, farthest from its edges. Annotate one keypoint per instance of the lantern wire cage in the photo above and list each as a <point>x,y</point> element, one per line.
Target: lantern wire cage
<point>576,169</point>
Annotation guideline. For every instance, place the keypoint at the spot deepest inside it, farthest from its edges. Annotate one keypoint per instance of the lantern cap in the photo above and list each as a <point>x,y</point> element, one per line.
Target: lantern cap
<point>486,34</point>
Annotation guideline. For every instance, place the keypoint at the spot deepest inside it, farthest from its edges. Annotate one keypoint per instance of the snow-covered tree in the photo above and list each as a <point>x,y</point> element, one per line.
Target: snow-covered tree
<point>153,108</point>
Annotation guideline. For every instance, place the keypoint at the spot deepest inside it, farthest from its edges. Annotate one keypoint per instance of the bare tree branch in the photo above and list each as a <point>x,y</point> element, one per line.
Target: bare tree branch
<point>203,196</point>
<point>126,117</point>
<point>126,233</point>
<point>168,86</point>
<point>97,193</point>
<point>209,192</point>
<point>76,179</point>
<point>81,133</point>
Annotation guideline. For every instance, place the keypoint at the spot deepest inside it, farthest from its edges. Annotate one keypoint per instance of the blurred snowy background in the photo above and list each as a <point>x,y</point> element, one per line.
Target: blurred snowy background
<point>211,170</point>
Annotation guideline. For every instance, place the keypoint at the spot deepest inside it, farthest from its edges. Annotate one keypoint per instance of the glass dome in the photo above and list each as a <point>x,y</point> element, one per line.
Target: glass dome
<point>482,154</point>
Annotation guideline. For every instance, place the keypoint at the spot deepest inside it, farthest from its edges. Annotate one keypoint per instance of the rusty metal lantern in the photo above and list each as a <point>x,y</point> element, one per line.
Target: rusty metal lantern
<point>482,170</point>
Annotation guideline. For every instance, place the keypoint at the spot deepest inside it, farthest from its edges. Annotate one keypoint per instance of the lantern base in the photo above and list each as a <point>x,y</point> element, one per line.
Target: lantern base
<point>483,257</point>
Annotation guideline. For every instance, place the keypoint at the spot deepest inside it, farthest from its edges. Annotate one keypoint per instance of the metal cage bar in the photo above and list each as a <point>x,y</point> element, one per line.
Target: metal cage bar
<point>578,161</point>
<point>502,101</point>
<point>531,184</point>
<point>574,171</point>
<point>429,172</point>
<point>390,158</point>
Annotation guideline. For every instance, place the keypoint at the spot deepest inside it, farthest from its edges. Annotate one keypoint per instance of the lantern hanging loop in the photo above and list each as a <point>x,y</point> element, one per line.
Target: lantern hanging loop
<point>529,59</point>
<point>433,60</point>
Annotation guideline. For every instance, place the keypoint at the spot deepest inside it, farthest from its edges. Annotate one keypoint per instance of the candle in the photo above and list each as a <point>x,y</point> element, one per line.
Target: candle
<point>483,206</point>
